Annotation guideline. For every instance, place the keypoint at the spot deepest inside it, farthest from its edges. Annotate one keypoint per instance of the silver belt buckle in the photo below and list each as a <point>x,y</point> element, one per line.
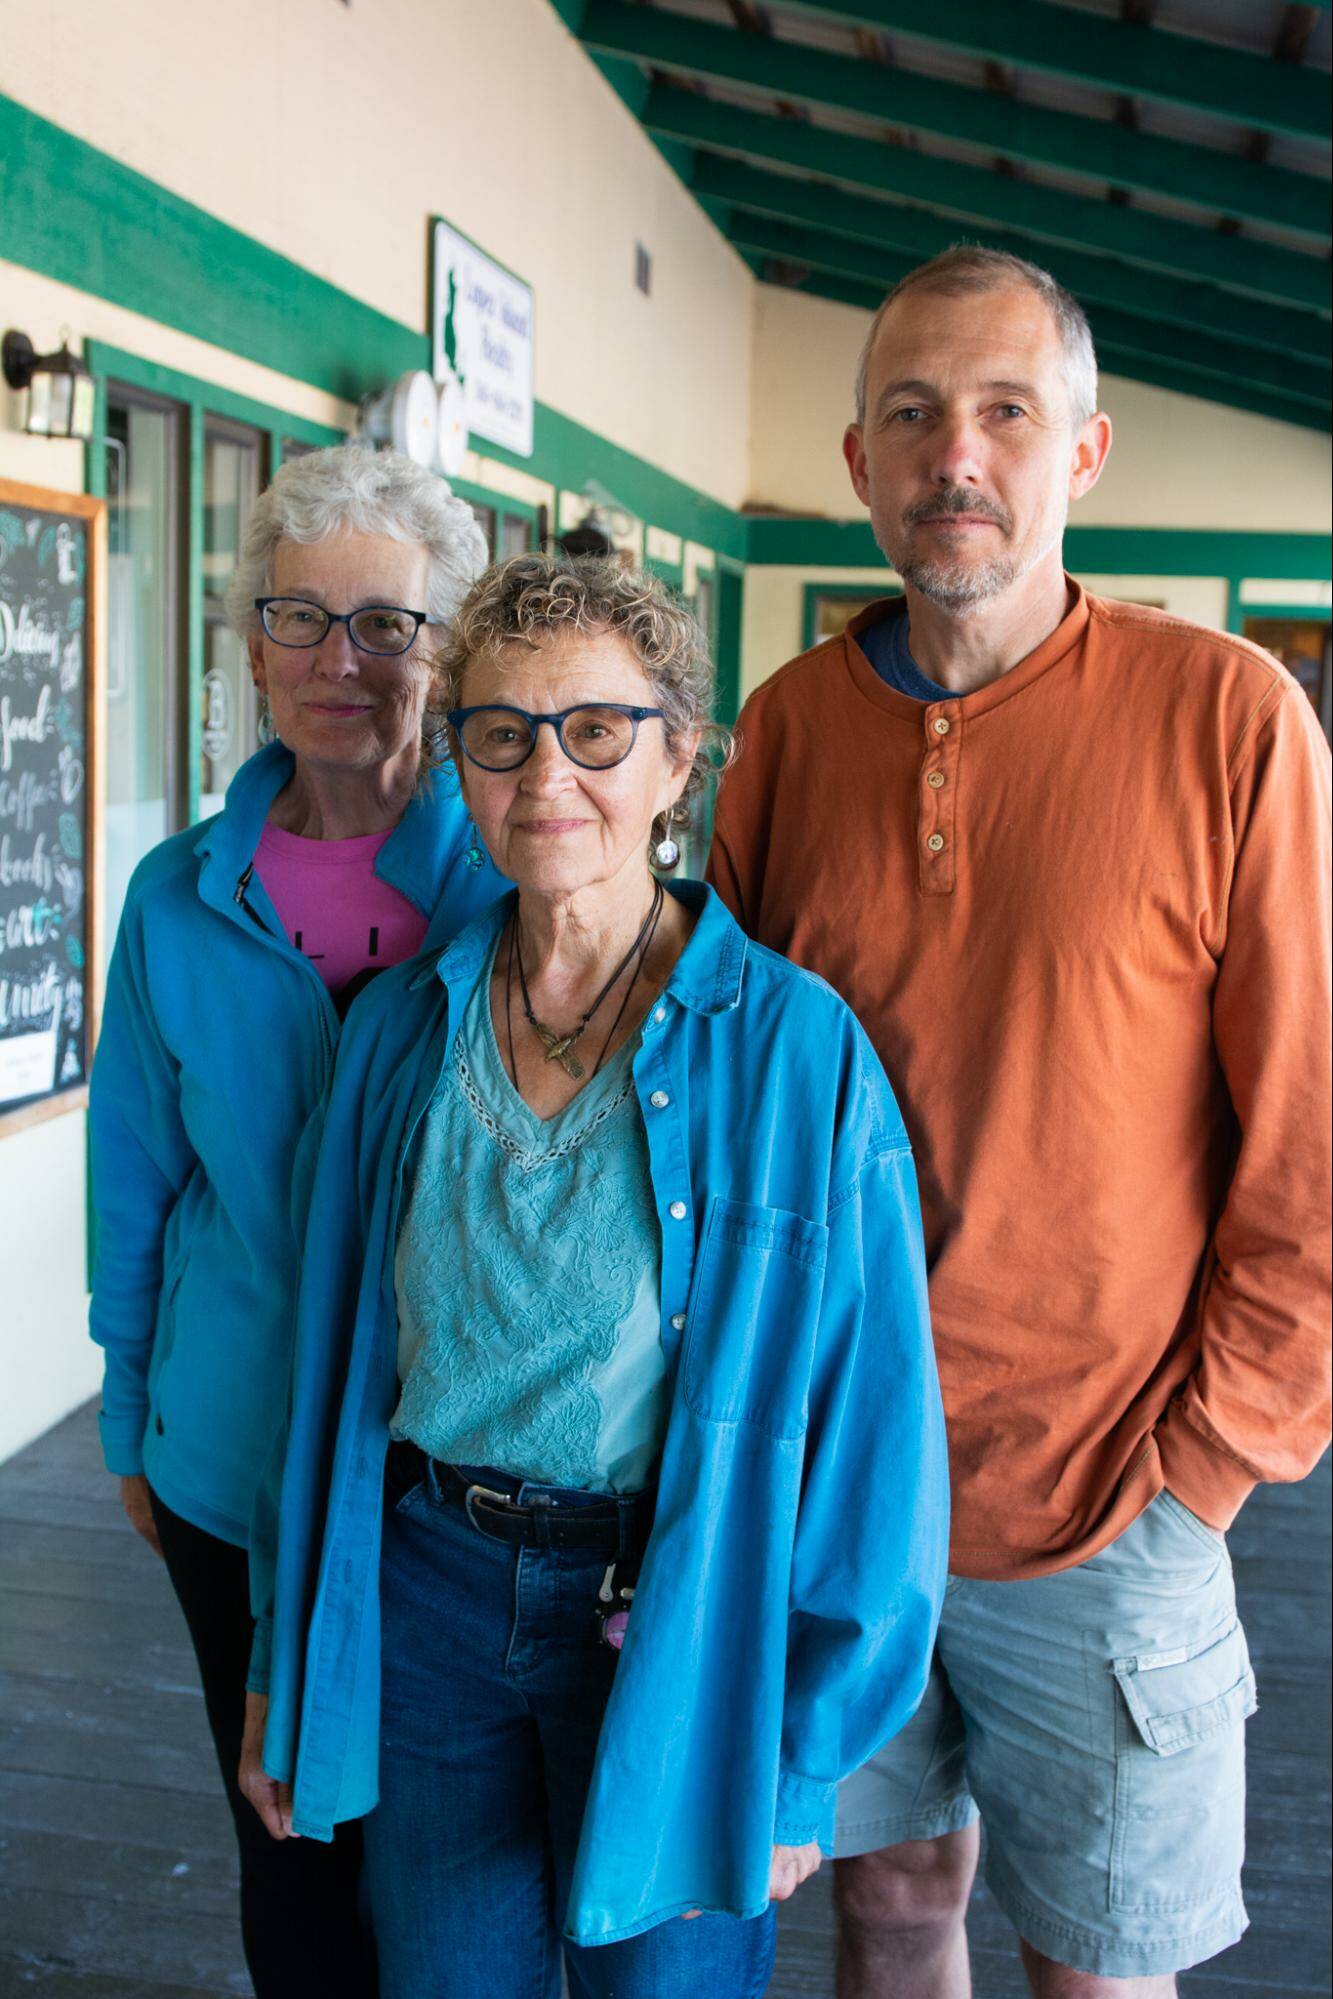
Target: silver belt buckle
<point>500,1499</point>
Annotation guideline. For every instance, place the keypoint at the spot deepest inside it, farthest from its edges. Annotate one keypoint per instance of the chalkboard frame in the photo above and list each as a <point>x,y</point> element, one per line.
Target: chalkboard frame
<point>93,512</point>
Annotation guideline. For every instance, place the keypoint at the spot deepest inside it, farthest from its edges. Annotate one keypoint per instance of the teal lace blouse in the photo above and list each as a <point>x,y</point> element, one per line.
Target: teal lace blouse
<point>528,1277</point>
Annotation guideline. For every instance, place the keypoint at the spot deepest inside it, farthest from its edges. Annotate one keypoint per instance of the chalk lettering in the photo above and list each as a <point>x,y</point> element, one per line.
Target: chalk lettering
<point>34,868</point>
<point>21,728</point>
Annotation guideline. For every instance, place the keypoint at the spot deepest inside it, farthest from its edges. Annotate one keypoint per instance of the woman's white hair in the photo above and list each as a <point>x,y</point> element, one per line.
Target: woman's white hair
<point>368,492</point>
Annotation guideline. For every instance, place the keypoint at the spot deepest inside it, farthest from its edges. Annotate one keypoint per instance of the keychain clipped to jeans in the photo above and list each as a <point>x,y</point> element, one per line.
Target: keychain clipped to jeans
<point>613,1607</point>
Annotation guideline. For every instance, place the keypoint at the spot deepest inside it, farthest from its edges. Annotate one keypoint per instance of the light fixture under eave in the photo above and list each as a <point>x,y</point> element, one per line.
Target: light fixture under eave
<point>405,416</point>
<point>62,395</point>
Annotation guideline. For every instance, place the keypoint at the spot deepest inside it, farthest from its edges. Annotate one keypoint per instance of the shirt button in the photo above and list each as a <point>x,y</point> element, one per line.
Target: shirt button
<point>659,1015</point>
<point>940,725</point>
<point>659,1100</point>
<point>935,842</point>
<point>677,1211</point>
<point>935,780</point>
<point>678,1321</point>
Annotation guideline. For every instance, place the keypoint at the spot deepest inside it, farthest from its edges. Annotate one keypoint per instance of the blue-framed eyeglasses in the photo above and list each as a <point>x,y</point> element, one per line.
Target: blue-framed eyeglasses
<point>596,735</point>
<point>378,628</point>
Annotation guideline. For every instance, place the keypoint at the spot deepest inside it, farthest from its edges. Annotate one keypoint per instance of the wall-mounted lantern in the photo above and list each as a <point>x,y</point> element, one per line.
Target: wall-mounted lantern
<point>62,395</point>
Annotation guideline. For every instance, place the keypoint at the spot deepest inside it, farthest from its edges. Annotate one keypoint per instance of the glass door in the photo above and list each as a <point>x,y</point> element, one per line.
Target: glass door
<point>233,474</point>
<point>146,776</point>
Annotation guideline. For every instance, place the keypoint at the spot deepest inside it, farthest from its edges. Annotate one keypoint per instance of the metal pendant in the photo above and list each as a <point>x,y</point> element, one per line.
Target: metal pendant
<point>557,1048</point>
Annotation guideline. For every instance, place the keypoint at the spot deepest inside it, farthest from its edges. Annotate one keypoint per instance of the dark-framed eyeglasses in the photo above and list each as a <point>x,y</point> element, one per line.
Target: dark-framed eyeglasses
<point>596,735</point>
<point>377,628</point>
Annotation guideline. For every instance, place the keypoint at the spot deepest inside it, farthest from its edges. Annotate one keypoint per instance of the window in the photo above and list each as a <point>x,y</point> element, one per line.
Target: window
<point>515,535</point>
<point>1305,646</point>
<point>833,612</point>
<point>147,715</point>
<point>702,604</point>
<point>485,519</point>
<point>507,531</point>
<point>233,458</point>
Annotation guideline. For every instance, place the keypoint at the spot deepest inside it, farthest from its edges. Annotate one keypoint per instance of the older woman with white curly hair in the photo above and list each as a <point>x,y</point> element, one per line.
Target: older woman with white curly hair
<point>242,946</point>
<point>614,1520</point>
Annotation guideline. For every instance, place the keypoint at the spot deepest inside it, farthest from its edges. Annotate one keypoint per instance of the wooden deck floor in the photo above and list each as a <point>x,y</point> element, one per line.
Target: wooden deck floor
<point>116,1872</point>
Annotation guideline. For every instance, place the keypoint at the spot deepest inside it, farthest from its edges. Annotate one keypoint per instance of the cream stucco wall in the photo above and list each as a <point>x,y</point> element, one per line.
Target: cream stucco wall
<point>333,133</point>
<point>1176,462</point>
<point>48,1363</point>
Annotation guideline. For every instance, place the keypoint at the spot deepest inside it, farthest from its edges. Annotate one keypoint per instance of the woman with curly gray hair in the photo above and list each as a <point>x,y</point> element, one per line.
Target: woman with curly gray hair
<point>611,1325</point>
<point>242,947</point>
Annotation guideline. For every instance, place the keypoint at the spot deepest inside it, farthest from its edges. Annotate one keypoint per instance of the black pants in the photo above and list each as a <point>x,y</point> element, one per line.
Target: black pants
<point>302,1907</point>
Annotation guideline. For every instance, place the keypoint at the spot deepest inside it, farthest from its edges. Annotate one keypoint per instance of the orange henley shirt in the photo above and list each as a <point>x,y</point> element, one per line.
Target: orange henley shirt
<point>1083,915</point>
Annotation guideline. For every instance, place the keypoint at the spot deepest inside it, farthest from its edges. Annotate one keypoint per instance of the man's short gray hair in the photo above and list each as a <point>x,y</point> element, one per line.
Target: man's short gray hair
<point>367,492</point>
<point>969,267</point>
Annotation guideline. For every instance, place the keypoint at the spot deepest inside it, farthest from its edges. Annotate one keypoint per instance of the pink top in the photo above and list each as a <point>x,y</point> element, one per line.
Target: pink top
<point>334,907</point>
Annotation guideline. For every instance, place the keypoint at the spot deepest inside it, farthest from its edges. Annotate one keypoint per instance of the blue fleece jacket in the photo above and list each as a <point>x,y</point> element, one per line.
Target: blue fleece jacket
<point>216,1046</point>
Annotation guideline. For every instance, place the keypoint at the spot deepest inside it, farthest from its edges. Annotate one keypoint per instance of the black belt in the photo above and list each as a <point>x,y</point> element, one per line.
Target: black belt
<point>616,1529</point>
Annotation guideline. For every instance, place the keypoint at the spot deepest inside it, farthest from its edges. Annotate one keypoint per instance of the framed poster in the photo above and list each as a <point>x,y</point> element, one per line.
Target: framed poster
<point>52,626</point>
<point>482,338</point>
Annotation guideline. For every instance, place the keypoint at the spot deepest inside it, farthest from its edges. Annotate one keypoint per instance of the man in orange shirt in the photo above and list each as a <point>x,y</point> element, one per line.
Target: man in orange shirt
<point>1068,861</point>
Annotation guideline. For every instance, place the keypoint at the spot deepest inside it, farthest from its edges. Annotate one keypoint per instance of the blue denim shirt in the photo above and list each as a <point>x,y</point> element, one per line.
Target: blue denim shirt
<point>787,1604</point>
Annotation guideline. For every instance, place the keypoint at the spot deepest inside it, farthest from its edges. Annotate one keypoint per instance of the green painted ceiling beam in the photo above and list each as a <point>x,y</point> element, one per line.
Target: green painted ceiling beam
<point>1223,183</point>
<point>1109,55</point>
<point>919,233</point>
<point>1136,367</point>
<point>974,194</point>
<point>1124,331</point>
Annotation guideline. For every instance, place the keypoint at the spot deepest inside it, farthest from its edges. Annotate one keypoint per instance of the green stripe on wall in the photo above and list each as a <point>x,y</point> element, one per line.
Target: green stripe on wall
<point>825,544</point>
<point>77,215</point>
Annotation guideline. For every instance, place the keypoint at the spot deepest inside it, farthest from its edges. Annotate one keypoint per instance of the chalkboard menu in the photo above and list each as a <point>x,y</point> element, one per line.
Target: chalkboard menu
<point>51,569</point>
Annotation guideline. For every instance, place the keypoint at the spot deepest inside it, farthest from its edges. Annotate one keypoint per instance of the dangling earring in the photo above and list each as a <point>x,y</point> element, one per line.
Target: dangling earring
<point>666,853</point>
<point>474,855</point>
<point>264,728</point>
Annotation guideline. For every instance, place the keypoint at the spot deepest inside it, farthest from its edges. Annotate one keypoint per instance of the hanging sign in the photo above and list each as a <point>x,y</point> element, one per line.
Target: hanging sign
<point>481,337</point>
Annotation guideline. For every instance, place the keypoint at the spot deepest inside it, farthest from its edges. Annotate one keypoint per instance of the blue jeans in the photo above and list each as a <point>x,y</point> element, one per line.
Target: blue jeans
<point>494,1683</point>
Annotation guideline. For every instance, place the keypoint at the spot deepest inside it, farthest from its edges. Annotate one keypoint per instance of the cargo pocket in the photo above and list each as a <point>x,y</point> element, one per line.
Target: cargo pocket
<point>753,1317</point>
<point>1179,1831</point>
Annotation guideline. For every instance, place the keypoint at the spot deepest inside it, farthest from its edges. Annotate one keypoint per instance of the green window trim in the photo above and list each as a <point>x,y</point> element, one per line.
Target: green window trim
<point>812,593</point>
<point>199,400</point>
